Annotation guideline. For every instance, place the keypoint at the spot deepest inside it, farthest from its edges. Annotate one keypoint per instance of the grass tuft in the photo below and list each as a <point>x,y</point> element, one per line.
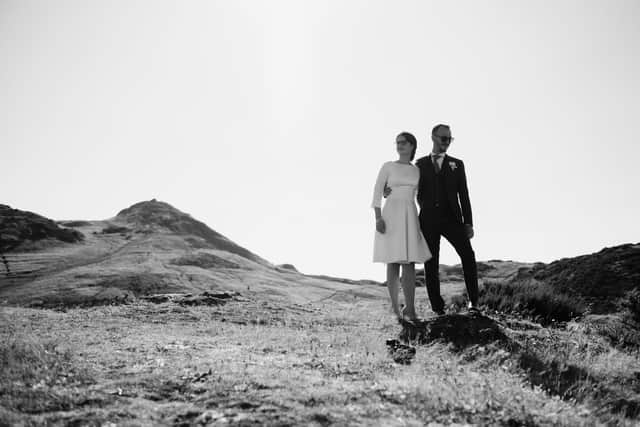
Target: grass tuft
<point>631,304</point>
<point>536,300</point>
<point>31,371</point>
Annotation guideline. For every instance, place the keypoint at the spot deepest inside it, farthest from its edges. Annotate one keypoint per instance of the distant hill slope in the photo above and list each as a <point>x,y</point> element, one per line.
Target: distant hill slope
<point>487,270</point>
<point>152,247</point>
<point>601,278</point>
<point>21,229</point>
<point>152,215</point>
<point>148,248</point>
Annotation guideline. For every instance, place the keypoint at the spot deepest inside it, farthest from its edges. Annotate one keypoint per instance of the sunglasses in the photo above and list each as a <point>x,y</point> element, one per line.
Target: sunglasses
<point>446,138</point>
<point>402,142</point>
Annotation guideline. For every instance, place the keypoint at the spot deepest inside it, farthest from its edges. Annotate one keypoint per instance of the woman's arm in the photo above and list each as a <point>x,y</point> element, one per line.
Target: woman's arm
<point>378,189</point>
<point>376,203</point>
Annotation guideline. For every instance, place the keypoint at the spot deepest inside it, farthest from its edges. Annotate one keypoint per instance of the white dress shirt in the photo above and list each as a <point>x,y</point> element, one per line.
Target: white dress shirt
<point>440,159</point>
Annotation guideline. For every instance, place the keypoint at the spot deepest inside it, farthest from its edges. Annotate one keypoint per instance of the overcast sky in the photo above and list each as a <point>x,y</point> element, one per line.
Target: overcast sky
<point>269,120</point>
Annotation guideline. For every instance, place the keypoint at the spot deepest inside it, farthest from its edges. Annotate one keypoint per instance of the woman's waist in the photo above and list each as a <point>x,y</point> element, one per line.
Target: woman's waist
<point>405,192</point>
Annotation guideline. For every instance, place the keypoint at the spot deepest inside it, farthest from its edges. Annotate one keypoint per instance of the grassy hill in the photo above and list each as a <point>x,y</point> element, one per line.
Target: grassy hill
<point>148,248</point>
<point>152,318</point>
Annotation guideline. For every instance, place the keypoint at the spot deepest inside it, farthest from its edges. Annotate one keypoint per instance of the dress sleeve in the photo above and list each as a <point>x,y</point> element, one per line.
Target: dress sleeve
<point>383,175</point>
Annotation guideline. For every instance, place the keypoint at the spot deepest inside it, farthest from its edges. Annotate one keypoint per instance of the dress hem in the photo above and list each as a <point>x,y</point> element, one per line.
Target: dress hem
<point>404,261</point>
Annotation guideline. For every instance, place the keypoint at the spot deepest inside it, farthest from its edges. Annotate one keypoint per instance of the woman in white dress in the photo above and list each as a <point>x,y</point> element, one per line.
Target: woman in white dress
<point>398,238</point>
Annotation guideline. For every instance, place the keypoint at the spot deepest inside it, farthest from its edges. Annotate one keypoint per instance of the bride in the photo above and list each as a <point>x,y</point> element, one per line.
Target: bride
<point>398,238</point>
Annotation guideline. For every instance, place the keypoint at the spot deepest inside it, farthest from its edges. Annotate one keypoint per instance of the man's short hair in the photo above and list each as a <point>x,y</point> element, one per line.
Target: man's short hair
<point>437,127</point>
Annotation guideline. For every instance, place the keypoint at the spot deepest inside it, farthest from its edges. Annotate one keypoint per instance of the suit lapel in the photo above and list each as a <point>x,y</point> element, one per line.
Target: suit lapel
<point>428,168</point>
<point>447,172</point>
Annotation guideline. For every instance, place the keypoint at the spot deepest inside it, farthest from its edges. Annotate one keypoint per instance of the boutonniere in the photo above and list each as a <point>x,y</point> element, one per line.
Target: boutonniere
<point>453,165</point>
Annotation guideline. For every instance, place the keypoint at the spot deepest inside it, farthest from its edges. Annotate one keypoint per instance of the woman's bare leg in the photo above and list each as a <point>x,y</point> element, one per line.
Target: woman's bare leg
<point>409,288</point>
<point>393,271</point>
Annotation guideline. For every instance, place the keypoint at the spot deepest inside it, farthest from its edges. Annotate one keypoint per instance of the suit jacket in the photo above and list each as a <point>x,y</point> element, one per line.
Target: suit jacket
<point>456,188</point>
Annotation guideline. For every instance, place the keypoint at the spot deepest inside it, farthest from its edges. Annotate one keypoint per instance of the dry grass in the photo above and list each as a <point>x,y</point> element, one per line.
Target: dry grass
<point>254,363</point>
<point>535,300</point>
<point>581,367</point>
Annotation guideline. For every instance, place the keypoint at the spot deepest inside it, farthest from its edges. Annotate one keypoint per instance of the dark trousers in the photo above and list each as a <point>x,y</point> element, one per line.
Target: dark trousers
<point>455,233</point>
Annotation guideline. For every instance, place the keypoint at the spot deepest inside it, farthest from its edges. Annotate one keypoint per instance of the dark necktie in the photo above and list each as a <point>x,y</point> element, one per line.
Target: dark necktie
<point>436,167</point>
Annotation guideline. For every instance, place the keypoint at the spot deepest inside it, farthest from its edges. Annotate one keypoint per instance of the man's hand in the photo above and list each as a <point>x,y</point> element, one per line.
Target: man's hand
<point>381,227</point>
<point>469,230</point>
<point>386,191</point>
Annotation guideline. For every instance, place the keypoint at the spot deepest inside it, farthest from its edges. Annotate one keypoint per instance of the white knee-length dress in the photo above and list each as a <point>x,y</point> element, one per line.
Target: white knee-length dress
<point>402,242</point>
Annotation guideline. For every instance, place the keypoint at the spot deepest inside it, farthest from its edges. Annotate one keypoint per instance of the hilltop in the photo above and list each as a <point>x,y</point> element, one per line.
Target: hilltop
<point>154,216</point>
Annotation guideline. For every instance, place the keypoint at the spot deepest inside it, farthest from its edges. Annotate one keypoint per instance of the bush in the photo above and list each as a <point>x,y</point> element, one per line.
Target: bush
<point>533,299</point>
<point>114,229</point>
<point>74,223</point>
<point>205,260</point>
<point>631,303</point>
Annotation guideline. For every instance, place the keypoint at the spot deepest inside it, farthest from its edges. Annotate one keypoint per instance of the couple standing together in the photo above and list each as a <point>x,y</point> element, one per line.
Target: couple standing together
<point>404,238</point>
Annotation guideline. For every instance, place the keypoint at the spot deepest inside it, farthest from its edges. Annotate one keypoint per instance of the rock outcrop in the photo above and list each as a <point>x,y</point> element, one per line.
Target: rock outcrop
<point>205,298</point>
<point>460,330</point>
<point>289,267</point>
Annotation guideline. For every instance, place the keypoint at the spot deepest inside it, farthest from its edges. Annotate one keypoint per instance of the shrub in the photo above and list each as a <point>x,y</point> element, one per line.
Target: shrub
<point>205,260</point>
<point>533,299</point>
<point>74,223</point>
<point>114,229</point>
<point>631,303</point>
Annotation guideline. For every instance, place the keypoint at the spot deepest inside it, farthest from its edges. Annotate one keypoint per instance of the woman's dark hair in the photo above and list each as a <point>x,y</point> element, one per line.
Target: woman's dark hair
<point>412,140</point>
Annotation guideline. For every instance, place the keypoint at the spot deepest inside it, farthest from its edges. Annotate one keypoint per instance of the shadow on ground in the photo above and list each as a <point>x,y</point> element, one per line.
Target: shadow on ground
<point>479,337</point>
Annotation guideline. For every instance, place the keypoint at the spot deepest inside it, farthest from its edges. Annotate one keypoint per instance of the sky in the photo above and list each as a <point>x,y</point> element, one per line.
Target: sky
<point>269,120</point>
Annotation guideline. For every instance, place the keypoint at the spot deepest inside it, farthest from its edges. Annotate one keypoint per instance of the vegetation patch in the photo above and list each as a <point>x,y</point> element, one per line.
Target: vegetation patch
<point>74,223</point>
<point>115,229</point>
<point>531,299</point>
<point>205,298</point>
<point>630,304</point>
<point>33,373</point>
<point>620,331</point>
<point>19,229</point>
<point>115,290</point>
<point>572,365</point>
<point>579,368</point>
<point>458,330</point>
<point>600,279</point>
<point>198,243</point>
<point>107,296</point>
<point>204,260</point>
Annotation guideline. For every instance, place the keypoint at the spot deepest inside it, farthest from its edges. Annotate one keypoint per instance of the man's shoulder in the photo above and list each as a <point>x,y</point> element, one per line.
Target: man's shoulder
<point>421,160</point>
<point>453,159</point>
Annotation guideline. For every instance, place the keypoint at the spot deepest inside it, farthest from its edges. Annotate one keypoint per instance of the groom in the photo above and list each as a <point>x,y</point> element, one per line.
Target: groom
<point>445,210</point>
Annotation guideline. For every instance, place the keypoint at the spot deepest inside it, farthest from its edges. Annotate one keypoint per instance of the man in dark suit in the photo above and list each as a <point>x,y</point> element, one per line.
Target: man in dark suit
<point>445,210</point>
